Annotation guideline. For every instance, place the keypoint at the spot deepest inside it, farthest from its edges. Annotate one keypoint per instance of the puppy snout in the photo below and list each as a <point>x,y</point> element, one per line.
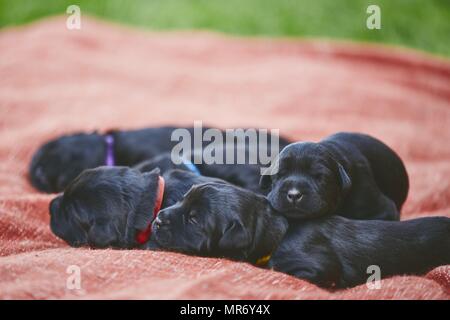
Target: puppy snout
<point>294,196</point>
<point>161,221</point>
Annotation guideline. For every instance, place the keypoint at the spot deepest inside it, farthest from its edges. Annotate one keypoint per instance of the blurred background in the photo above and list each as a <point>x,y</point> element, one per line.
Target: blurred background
<point>420,24</point>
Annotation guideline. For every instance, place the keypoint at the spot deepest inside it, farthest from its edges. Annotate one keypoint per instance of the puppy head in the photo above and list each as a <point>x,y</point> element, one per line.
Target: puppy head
<point>59,161</point>
<point>309,181</point>
<point>105,207</point>
<point>215,219</point>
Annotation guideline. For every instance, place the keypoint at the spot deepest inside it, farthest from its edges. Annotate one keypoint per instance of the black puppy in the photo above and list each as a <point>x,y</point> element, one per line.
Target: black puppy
<point>243,175</point>
<point>114,206</point>
<point>59,161</point>
<point>221,220</point>
<point>349,174</point>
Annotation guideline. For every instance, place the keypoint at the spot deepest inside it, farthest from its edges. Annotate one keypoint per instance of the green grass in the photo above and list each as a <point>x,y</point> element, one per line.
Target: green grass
<point>422,24</point>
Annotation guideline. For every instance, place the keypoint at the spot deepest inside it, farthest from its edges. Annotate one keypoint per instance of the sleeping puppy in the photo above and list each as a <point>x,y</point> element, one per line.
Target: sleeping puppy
<point>58,162</point>
<point>220,220</point>
<point>114,206</point>
<point>349,174</point>
<point>108,206</point>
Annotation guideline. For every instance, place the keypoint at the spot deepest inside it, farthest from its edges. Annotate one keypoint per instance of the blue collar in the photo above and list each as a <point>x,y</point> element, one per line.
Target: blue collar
<point>192,167</point>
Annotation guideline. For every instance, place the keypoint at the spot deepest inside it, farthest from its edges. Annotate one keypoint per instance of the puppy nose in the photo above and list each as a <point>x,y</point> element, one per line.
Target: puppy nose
<point>294,196</point>
<point>161,222</point>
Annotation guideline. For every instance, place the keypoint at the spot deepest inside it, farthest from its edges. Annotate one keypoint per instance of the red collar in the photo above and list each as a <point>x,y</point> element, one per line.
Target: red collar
<point>143,236</point>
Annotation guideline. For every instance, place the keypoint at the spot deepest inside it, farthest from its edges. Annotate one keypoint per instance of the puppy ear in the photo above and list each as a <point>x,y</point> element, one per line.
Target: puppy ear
<point>140,216</point>
<point>54,205</point>
<point>234,237</point>
<point>101,236</point>
<point>346,182</point>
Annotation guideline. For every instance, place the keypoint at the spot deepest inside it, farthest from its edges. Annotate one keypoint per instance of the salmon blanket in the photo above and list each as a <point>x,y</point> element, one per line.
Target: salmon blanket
<point>55,81</point>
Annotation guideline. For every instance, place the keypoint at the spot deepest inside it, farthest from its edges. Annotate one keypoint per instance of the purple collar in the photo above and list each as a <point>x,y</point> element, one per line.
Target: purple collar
<point>109,140</point>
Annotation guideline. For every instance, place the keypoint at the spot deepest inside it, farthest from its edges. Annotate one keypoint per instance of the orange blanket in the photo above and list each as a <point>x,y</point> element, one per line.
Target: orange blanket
<point>53,81</point>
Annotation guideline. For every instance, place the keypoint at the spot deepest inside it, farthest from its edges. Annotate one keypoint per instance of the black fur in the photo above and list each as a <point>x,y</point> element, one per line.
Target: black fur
<point>59,161</point>
<point>107,206</point>
<point>243,175</point>
<point>336,252</point>
<point>221,220</point>
<point>348,174</point>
